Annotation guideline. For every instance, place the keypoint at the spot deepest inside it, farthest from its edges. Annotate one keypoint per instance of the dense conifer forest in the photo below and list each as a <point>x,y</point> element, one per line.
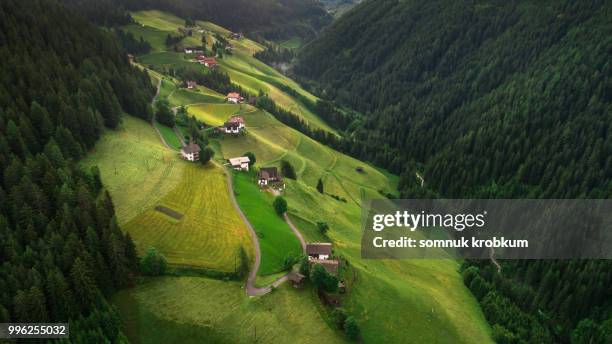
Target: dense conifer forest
<point>62,81</point>
<point>487,99</point>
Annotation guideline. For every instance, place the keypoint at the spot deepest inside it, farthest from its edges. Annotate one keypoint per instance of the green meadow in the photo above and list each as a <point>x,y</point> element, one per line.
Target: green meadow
<point>141,175</point>
<point>201,310</point>
<point>244,70</point>
<point>276,239</point>
<point>393,301</point>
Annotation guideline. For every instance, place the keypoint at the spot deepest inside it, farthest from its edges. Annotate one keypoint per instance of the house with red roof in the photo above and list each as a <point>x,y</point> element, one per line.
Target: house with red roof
<point>234,97</point>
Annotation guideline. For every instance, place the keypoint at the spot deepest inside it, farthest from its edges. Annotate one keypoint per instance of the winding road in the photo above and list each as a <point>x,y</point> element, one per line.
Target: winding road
<point>251,289</point>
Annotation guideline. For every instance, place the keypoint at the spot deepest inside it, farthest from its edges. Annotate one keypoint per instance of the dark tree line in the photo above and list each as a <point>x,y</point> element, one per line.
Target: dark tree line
<point>511,100</point>
<point>132,45</point>
<point>61,250</point>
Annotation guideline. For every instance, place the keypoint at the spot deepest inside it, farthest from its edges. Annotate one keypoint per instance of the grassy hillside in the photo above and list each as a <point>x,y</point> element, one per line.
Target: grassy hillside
<point>141,174</point>
<point>433,291</point>
<point>276,239</point>
<point>136,168</point>
<point>200,310</point>
<point>394,301</point>
<point>244,70</point>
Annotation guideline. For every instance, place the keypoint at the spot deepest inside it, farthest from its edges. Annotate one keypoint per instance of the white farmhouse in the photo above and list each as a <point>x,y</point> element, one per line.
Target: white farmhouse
<point>240,163</point>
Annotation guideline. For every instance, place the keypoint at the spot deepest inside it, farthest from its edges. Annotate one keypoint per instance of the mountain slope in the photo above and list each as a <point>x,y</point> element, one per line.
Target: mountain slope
<point>488,99</point>
<point>62,81</point>
<point>479,92</point>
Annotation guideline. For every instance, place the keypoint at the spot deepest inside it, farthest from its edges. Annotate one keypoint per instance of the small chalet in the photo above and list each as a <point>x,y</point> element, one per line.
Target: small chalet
<point>234,97</point>
<point>239,120</point>
<point>209,62</point>
<point>229,47</point>
<point>240,163</point>
<point>236,35</point>
<point>268,175</point>
<point>130,58</point>
<point>232,128</point>
<point>200,58</point>
<point>191,84</point>
<point>319,250</point>
<point>330,265</point>
<point>191,151</point>
<point>193,50</point>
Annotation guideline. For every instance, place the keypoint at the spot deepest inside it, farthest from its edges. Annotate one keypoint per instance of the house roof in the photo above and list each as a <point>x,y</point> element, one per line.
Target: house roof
<point>191,83</point>
<point>233,95</point>
<point>330,265</point>
<point>210,60</point>
<point>236,119</point>
<point>319,248</point>
<point>232,125</point>
<point>268,173</point>
<point>239,160</point>
<point>191,148</point>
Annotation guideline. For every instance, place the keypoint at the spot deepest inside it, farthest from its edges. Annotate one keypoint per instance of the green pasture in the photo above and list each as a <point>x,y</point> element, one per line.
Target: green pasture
<point>201,310</point>
<point>276,239</point>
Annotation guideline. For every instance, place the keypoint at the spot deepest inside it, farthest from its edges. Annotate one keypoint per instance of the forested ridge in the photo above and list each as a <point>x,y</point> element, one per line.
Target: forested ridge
<point>62,81</point>
<point>273,19</point>
<point>487,99</point>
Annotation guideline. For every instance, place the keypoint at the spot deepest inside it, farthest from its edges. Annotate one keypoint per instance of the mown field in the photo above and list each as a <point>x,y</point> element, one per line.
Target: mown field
<point>142,174</point>
<point>136,168</point>
<point>394,301</point>
<point>200,310</point>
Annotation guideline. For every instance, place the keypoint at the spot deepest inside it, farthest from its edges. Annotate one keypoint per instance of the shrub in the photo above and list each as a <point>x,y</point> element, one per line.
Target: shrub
<point>351,328</point>
<point>323,280</point>
<point>153,263</point>
<point>280,205</point>
<point>252,158</point>
<point>339,316</point>
<point>288,170</point>
<point>206,154</point>
<point>323,227</point>
<point>320,186</point>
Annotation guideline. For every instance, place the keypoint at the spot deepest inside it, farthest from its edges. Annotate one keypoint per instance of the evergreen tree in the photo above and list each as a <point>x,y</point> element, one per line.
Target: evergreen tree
<point>320,186</point>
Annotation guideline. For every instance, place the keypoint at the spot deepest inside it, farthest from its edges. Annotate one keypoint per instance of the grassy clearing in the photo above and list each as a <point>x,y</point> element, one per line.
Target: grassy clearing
<point>140,174</point>
<point>292,43</point>
<point>276,239</point>
<point>200,310</point>
<point>201,95</point>
<point>155,37</point>
<point>158,19</point>
<point>214,114</point>
<point>210,233</point>
<point>169,136</point>
<point>136,168</point>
